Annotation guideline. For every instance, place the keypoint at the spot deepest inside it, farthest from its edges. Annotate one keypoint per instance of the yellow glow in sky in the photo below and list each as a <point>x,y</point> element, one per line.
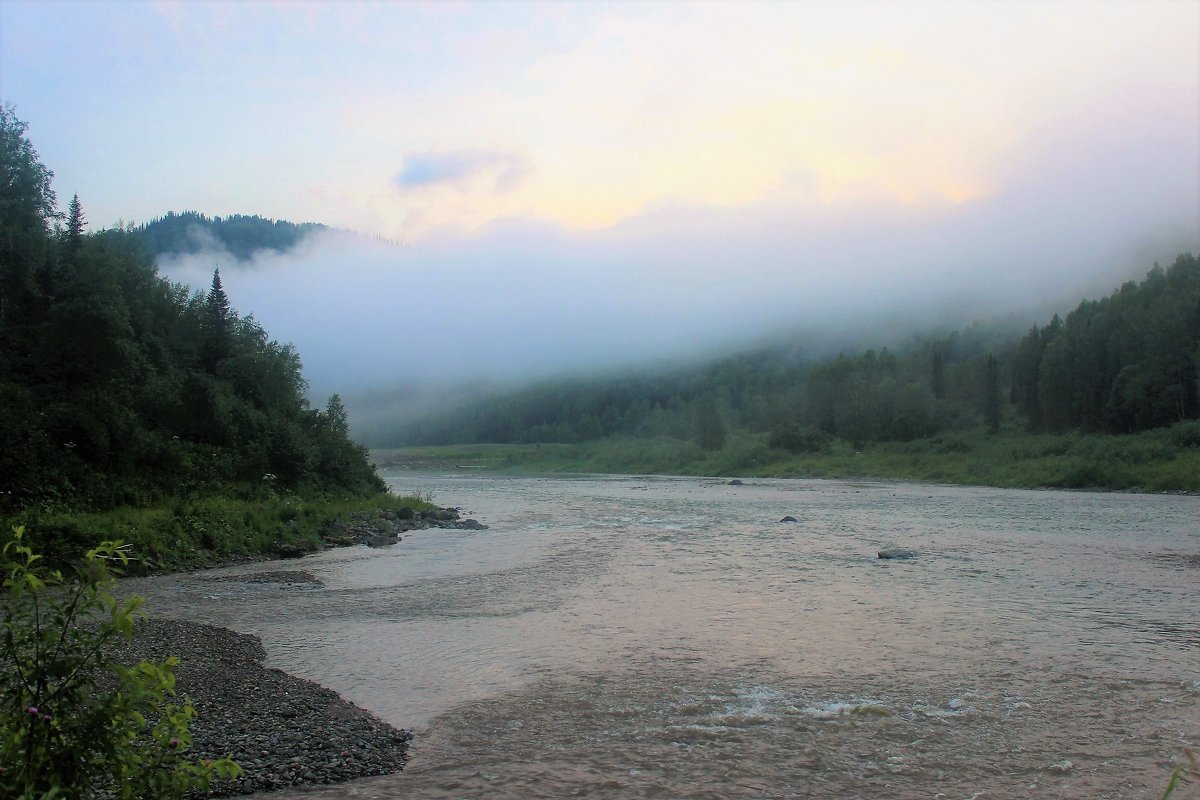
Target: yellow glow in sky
<point>406,117</point>
<point>725,105</point>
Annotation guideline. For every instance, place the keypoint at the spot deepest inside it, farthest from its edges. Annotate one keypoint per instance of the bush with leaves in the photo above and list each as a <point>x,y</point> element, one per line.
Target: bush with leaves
<point>74,723</point>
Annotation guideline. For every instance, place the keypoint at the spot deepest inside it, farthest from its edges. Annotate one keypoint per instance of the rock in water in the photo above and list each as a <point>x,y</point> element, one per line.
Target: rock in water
<point>897,552</point>
<point>789,519</point>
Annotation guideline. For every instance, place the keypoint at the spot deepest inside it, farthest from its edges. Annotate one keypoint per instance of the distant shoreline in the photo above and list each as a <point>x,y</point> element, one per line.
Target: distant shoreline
<point>1147,463</point>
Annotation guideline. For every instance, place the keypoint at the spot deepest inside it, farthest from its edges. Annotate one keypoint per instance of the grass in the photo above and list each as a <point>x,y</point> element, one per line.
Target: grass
<point>1166,460</point>
<point>200,531</point>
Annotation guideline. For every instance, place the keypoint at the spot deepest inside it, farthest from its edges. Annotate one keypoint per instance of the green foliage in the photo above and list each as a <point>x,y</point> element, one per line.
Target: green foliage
<point>194,531</point>
<point>797,438</point>
<point>27,206</point>
<point>873,396</point>
<point>1126,363</point>
<point>1149,461</point>
<point>73,722</point>
<point>710,429</point>
<point>120,388</point>
<point>216,342</point>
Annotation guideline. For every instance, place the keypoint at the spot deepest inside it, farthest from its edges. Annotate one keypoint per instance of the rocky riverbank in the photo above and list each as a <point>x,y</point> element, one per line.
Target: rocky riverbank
<point>383,528</point>
<point>282,730</point>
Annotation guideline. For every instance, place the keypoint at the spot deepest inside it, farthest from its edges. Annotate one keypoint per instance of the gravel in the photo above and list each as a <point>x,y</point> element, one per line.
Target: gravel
<point>282,730</point>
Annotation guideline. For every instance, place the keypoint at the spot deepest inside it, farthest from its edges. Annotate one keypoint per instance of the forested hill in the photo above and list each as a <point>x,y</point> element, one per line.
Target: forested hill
<point>1126,363</point>
<point>120,388</point>
<point>239,235</point>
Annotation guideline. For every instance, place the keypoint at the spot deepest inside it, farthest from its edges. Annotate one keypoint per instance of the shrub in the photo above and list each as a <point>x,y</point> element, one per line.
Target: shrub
<point>73,722</point>
<point>797,438</point>
<point>1186,434</point>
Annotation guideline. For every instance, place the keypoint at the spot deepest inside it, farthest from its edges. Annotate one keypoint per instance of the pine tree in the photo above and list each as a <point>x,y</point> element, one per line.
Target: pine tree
<point>215,345</point>
<point>75,225</point>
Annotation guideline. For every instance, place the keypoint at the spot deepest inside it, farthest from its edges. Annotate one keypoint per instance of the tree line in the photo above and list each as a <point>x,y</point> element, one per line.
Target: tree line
<point>240,235</point>
<point>118,387</point>
<point>1126,363</point>
<point>1122,364</point>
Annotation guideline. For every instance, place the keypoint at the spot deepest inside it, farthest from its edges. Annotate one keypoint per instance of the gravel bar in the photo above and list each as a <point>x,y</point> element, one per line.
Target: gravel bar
<point>282,730</point>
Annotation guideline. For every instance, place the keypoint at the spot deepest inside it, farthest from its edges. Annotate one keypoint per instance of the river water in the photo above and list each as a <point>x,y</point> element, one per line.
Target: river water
<point>618,637</point>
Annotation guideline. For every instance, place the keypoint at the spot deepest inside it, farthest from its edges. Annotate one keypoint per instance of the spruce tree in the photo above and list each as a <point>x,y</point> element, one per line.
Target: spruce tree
<point>75,225</point>
<point>215,344</point>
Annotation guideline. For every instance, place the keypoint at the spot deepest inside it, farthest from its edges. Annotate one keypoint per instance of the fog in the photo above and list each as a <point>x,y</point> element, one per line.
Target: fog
<point>1071,217</point>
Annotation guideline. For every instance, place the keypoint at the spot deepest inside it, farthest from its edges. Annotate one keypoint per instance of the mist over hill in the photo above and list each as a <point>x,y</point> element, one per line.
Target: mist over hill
<point>1107,396</point>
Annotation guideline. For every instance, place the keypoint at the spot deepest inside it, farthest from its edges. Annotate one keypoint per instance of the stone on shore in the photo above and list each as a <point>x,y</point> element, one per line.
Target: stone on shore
<point>383,528</point>
<point>282,730</point>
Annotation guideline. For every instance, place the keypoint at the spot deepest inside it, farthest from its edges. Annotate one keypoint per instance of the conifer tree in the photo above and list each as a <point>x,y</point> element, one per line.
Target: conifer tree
<point>75,225</point>
<point>215,345</point>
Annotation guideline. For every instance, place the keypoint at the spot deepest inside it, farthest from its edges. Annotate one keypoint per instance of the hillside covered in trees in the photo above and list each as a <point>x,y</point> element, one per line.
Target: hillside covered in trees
<point>240,235</point>
<point>119,388</point>
<point>1125,364</point>
<point>929,385</point>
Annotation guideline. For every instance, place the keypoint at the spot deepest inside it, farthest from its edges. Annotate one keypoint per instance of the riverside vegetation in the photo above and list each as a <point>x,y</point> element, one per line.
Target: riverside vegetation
<point>1163,460</point>
<point>148,428</point>
<point>74,723</point>
<point>136,409</point>
<point>1107,398</point>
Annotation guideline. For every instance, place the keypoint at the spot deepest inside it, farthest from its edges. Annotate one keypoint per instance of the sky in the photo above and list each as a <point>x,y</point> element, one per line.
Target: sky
<point>574,184</point>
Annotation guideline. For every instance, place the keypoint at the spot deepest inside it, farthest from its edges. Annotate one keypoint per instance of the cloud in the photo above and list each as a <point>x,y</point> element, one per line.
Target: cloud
<point>1075,214</point>
<point>502,170</point>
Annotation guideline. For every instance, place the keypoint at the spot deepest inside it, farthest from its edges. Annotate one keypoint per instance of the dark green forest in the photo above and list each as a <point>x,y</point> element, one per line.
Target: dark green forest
<point>119,388</point>
<point>1127,363</point>
<point>241,236</point>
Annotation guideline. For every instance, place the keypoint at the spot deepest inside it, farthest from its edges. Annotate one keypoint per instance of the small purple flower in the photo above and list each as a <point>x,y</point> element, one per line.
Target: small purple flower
<point>32,711</point>
<point>47,717</point>
<point>174,743</point>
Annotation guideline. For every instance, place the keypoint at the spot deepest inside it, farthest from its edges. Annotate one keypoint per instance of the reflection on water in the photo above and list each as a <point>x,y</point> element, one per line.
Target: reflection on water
<point>617,637</point>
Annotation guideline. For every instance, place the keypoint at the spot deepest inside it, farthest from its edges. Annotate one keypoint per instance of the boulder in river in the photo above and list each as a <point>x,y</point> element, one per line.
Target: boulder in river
<point>897,552</point>
<point>735,482</point>
<point>789,518</point>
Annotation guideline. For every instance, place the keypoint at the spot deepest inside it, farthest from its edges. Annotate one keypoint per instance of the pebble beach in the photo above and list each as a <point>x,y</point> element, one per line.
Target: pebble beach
<point>282,730</point>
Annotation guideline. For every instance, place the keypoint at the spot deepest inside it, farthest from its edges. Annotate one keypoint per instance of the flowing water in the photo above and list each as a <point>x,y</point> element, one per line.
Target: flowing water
<point>669,637</point>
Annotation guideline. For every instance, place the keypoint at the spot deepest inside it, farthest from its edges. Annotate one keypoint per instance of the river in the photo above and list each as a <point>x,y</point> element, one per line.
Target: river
<point>632,637</point>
